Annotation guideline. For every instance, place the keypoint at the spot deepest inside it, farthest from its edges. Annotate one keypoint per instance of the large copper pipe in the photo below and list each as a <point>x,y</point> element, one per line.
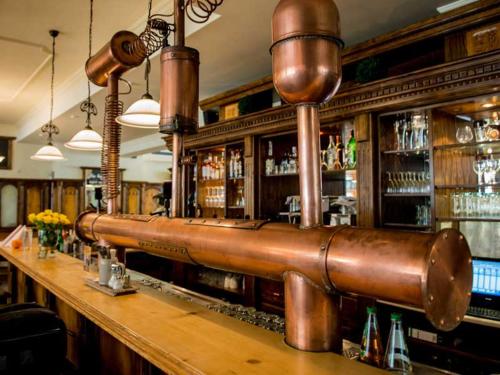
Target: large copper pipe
<point>311,213</point>
<point>431,271</point>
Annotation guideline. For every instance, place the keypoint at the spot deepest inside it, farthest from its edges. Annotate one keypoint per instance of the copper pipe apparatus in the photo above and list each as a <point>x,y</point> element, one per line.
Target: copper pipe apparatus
<point>178,101</point>
<point>105,69</point>
<point>317,263</point>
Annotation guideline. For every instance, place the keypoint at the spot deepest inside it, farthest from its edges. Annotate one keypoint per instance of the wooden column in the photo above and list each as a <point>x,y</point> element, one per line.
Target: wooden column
<point>365,133</point>
<point>249,187</point>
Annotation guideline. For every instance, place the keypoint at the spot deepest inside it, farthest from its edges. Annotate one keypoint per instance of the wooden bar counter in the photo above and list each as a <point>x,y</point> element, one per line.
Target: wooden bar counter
<point>175,336</point>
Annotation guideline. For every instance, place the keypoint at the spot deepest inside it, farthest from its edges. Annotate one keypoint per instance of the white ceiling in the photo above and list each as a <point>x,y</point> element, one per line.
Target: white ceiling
<point>233,50</point>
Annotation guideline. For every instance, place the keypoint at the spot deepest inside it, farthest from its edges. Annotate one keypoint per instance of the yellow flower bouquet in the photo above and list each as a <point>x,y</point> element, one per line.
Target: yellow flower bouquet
<point>48,223</point>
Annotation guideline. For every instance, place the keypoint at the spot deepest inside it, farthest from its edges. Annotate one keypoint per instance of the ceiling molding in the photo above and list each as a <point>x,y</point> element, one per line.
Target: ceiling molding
<point>442,83</point>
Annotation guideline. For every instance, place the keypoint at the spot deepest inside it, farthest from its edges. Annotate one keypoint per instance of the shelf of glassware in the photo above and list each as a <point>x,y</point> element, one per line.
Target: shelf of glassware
<point>491,147</point>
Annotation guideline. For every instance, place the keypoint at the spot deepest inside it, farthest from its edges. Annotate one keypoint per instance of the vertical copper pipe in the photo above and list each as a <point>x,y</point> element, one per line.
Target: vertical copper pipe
<point>312,317</point>
<point>179,34</point>
<point>114,156</point>
<point>176,204</point>
<point>311,212</point>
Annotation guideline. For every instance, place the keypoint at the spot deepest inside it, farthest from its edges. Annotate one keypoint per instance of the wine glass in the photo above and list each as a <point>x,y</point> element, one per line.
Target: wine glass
<point>464,134</point>
<point>479,167</point>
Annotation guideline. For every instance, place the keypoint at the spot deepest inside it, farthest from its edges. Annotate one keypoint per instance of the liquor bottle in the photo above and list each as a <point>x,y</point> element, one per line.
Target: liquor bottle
<point>204,169</point>
<point>351,152</point>
<point>330,154</point>
<point>222,167</point>
<point>397,136</point>
<point>396,356</point>
<point>371,345</point>
<point>270,160</point>
<point>60,240</point>
<point>231,165</point>
<point>239,165</point>
<point>209,167</point>
<point>292,162</point>
<point>339,153</point>
<point>216,168</point>
<point>284,164</point>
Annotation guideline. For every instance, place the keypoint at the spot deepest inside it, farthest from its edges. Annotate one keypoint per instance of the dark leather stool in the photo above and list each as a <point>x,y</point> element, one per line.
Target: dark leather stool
<point>32,340</point>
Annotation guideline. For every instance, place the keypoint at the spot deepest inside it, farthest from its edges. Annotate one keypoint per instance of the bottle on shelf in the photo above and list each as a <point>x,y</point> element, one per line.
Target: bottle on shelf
<point>284,164</point>
<point>210,167</point>
<point>270,159</point>
<point>351,152</point>
<point>231,165</point>
<point>331,154</point>
<point>397,134</point>
<point>216,169</point>
<point>238,165</point>
<point>371,344</point>
<point>396,356</point>
<point>339,153</point>
<point>292,161</point>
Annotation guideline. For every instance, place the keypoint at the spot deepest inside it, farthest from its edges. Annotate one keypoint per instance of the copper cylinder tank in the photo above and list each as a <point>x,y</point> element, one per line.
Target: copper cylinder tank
<point>179,89</point>
<point>306,50</point>
<point>114,58</point>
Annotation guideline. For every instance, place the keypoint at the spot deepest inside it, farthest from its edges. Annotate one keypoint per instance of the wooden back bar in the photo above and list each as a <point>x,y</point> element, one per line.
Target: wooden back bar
<point>177,336</point>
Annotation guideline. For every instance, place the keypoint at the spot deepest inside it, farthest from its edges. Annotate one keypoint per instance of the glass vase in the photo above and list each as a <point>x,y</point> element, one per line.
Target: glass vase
<point>47,239</point>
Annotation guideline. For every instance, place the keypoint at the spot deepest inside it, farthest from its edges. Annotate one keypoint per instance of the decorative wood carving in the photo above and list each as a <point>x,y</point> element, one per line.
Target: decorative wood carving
<point>468,77</point>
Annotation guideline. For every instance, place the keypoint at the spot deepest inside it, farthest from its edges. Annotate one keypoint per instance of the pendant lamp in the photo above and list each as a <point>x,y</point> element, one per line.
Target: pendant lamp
<point>144,113</point>
<point>87,139</point>
<point>50,152</point>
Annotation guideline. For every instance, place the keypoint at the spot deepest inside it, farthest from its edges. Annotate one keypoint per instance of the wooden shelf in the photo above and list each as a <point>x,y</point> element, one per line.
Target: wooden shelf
<point>485,219</point>
<point>236,179</point>
<point>280,175</point>
<point>407,195</point>
<point>219,180</point>
<point>468,146</point>
<point>409,226</point>
<point>235,207</point>
<point>420,152</point>
<point>337,172</point>
<point>476,186</point>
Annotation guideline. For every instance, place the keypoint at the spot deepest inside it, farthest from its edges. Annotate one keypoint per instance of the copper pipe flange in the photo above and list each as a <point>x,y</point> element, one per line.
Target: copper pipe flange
<point>448,278</point>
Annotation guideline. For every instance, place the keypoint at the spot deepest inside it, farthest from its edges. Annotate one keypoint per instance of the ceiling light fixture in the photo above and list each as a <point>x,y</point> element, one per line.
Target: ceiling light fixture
<point>488,105</point>
<point>87,139</point>
<point>454,5</point>
<point>144,113</point>
<point>50,152</point>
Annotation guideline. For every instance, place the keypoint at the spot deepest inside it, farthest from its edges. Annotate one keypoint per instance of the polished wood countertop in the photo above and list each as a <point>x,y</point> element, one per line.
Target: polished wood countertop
<point>177,336</point>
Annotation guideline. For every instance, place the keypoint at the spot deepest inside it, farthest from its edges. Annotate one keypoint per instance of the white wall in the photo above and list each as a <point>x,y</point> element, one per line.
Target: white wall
<point>142,168</point>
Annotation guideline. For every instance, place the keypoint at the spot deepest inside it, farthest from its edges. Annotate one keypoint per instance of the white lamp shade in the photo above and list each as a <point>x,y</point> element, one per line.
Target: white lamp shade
<point>85,140</point>
<point>2,158</point>
<point>144,113</point>
<point>49,153</point>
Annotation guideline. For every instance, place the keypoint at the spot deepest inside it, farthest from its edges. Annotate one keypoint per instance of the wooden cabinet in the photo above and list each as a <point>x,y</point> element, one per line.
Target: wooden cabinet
<point>278,181</point>
<point>217,182</point>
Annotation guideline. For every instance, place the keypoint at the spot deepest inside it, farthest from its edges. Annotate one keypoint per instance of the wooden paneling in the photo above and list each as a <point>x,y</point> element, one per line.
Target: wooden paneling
<point>33,199</point>
<point>70,203</point>
<point>134,200</point>
<point>483,39</point>
<point>148,203</point>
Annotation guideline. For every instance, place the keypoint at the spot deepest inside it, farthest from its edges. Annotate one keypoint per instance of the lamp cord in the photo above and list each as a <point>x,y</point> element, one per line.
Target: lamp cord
<point>148,62</point>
